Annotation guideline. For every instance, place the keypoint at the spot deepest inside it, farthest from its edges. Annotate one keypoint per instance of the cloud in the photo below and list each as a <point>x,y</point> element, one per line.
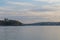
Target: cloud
<point>20,3</point>
<point>5,8</point>
<point>42,10</point>
<point>49,1</point>
<point>52,7</point>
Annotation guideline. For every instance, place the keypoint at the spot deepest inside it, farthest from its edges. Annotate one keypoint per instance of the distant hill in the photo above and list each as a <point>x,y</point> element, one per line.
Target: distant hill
<point>45,23</point>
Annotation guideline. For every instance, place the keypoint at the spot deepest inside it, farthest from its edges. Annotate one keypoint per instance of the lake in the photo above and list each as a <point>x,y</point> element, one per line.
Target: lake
<point>29,32</point>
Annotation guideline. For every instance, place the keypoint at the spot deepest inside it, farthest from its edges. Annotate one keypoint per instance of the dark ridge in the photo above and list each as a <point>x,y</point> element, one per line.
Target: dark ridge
<point>45,24</point>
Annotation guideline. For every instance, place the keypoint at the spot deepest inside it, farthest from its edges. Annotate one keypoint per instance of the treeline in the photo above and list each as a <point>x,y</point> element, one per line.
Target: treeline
<point>7,22</point>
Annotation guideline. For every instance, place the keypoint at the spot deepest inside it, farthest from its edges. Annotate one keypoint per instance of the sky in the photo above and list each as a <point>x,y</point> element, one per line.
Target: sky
<point>30,11</point>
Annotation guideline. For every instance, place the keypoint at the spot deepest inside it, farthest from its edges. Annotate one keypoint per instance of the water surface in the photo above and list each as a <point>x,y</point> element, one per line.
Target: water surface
<point>30,33</point>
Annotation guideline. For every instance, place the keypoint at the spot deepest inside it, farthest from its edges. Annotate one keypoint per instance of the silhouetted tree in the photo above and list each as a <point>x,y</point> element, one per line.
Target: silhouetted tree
<point>10,22</point>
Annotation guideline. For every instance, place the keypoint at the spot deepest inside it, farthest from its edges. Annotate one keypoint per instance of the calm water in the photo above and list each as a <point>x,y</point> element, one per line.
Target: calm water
<point>30,33</point>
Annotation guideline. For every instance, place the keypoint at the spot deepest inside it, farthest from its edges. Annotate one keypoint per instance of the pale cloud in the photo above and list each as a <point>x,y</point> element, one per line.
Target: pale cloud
<point>2,8</point>
<point>53,16</point>
<point>43,9</point>
<point>31,12</point>
<point>6,8</point>
<point>49,1</point>
<point>21,3</point>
